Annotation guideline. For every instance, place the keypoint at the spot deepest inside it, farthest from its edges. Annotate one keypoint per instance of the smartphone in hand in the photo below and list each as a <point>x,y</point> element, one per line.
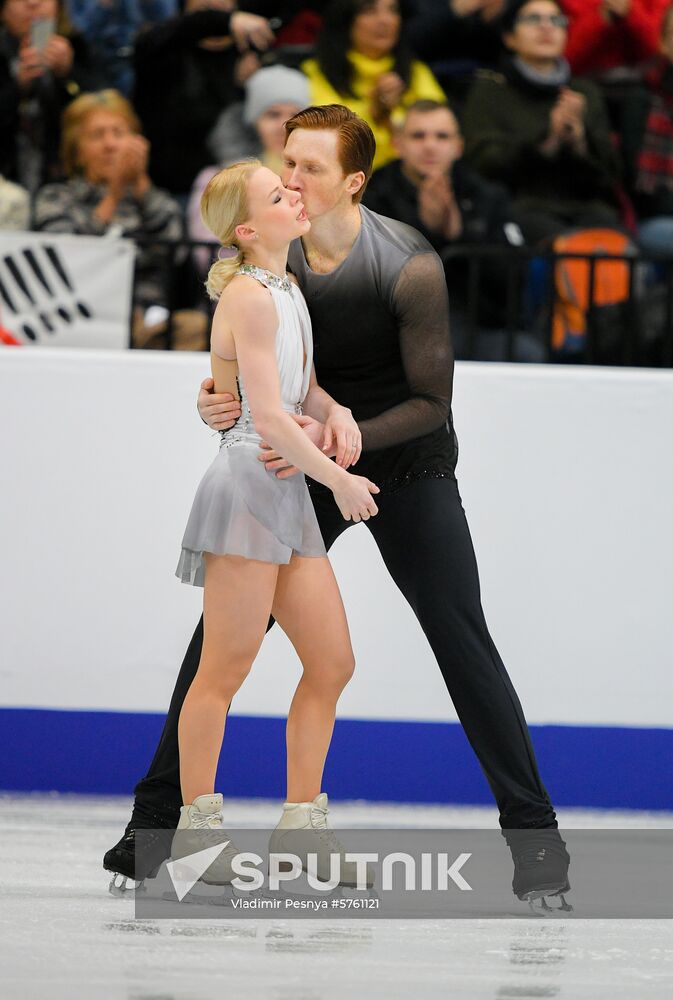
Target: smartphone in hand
<point>41,31</point>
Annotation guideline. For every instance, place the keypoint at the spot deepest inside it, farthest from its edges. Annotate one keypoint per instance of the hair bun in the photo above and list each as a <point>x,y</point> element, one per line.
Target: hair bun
<point>221,273</point>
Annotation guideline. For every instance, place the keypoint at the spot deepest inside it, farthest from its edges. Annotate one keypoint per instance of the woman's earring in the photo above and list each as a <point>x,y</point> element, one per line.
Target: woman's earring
<point>256,236</point>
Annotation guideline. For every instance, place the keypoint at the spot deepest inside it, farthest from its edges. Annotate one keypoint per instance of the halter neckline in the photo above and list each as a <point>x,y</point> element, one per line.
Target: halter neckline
<point>267,277</point>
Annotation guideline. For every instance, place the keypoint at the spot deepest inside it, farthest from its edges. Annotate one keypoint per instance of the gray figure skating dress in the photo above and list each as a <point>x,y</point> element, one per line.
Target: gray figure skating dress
<point>240,508</point>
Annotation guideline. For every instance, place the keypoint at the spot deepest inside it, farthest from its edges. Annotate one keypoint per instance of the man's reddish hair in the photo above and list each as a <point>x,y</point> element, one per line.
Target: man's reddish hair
<point>356,144</point>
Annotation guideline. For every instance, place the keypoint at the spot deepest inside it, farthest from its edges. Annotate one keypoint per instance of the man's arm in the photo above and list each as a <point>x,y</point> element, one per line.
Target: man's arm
<point>187,30</point>
<point>586,32</point>
<point>644,22</point>
<point>318,403</point>
<point>218,410</point>
<point>340,429</point>
<point>421,304</point>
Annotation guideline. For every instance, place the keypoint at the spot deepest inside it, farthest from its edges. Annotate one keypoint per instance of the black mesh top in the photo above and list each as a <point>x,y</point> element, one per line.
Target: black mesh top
<point>382,347</point>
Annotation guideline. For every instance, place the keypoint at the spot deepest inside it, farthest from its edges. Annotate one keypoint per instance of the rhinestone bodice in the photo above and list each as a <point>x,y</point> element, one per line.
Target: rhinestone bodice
<point>267,278</point>
<point>294,342</point>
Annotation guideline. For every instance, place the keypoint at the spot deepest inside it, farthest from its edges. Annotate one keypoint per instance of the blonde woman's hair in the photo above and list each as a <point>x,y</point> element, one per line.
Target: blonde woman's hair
<point>224,205</point>
<point>76,114</point>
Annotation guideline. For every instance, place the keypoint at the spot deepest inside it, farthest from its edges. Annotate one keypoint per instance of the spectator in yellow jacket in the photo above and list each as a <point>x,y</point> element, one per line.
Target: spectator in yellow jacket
<point>362,61</point>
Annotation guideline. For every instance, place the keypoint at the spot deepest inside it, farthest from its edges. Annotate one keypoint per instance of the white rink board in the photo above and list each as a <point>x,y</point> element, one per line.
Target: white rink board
<point>566,476</point>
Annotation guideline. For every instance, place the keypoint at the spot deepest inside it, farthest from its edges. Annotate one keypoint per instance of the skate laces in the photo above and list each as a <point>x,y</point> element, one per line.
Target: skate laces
<point>531,856</point>
<point>203,821</point>
<point>534,855</point>
<point>319,824</point>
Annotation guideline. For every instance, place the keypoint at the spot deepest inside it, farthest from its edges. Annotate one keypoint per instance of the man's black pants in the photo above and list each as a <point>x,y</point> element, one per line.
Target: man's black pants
<point>424,539</point>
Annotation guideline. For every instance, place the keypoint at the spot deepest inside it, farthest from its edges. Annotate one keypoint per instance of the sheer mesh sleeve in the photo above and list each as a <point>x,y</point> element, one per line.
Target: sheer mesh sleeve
<point>421,306</point>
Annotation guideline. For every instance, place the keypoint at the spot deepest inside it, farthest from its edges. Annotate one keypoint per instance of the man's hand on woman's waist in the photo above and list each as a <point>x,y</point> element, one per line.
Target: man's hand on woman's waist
<point>220,410</point>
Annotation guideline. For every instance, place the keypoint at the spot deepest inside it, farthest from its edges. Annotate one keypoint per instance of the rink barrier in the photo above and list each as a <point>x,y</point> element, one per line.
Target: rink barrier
<point>528,274</point>
<point>598,767</point>
<point>530,279</point>
<point>580,613</point>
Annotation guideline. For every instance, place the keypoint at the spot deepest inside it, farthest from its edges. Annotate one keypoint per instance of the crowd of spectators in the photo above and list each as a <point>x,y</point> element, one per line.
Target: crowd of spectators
<point>497,122</point>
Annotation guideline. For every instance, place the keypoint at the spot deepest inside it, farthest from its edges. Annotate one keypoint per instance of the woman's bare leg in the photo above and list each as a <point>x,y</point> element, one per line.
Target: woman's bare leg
<point>309,609</point>
<point>237,600</point>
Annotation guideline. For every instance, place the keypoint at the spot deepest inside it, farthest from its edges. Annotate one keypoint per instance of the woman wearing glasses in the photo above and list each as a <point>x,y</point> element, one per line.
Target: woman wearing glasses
<point>541,132</point>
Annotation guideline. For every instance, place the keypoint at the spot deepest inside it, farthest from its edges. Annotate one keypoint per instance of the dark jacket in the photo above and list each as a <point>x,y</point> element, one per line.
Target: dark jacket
<point>484,208</point>
<point>38,110</point>
<point>506,119</point>
<point>180,91</point>
<point>441,35</point>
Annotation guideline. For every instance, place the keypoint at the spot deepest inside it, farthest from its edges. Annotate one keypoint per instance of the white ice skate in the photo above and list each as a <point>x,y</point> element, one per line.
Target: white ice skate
<point>303,830</point>
<point>200,828</point>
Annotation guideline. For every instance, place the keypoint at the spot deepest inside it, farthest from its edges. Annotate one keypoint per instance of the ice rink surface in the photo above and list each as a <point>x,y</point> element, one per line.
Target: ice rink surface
<point>62,935</point>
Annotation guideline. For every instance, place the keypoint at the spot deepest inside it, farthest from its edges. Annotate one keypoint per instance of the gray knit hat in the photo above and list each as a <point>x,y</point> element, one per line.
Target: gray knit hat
<point>274,85</point>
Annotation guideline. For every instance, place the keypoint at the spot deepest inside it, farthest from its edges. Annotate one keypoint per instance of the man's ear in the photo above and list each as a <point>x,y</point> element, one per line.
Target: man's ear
<point>355,182</point>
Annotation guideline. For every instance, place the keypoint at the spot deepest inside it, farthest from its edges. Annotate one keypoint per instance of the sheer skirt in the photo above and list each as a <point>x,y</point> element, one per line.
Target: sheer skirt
<point>242,509</point>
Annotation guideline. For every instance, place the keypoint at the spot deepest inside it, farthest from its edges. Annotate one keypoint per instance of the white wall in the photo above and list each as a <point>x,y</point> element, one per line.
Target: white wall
<point>566,476</point>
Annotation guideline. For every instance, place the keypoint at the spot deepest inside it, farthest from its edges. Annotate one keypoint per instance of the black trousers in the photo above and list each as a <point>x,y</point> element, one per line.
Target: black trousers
<point>423,536</point>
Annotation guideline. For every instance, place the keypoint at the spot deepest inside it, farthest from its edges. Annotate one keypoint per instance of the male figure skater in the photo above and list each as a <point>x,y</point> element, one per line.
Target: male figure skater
<point>379,307</point>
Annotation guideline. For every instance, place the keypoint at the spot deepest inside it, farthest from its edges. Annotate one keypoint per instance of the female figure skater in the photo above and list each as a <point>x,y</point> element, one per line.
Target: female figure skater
<point>252,540</point>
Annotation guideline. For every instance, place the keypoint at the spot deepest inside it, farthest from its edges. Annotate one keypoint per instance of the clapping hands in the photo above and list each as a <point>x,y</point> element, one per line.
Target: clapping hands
<point>386,95</point>
<point>129,170</point>
<point>566,122</point>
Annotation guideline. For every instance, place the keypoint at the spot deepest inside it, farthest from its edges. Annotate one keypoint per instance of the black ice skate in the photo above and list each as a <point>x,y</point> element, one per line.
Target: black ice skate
<point>121,859</point>
<point>540,868</point>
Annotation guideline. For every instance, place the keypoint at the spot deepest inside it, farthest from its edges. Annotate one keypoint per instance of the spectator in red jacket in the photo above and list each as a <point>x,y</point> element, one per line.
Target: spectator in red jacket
<point>649,148</point>
<point>606,34</point>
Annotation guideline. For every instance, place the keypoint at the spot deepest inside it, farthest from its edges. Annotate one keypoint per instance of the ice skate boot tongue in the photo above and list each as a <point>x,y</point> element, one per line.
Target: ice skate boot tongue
<point>303,830</point>
<point>302,815</point>
<point>205,810</point>
<point>320,804</point>
<point>200,827</point>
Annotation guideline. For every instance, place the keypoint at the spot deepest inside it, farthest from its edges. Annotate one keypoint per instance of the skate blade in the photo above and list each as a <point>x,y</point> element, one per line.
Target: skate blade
<point>205,893</point>
<point>122,890</point>
<point>537,903</point>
